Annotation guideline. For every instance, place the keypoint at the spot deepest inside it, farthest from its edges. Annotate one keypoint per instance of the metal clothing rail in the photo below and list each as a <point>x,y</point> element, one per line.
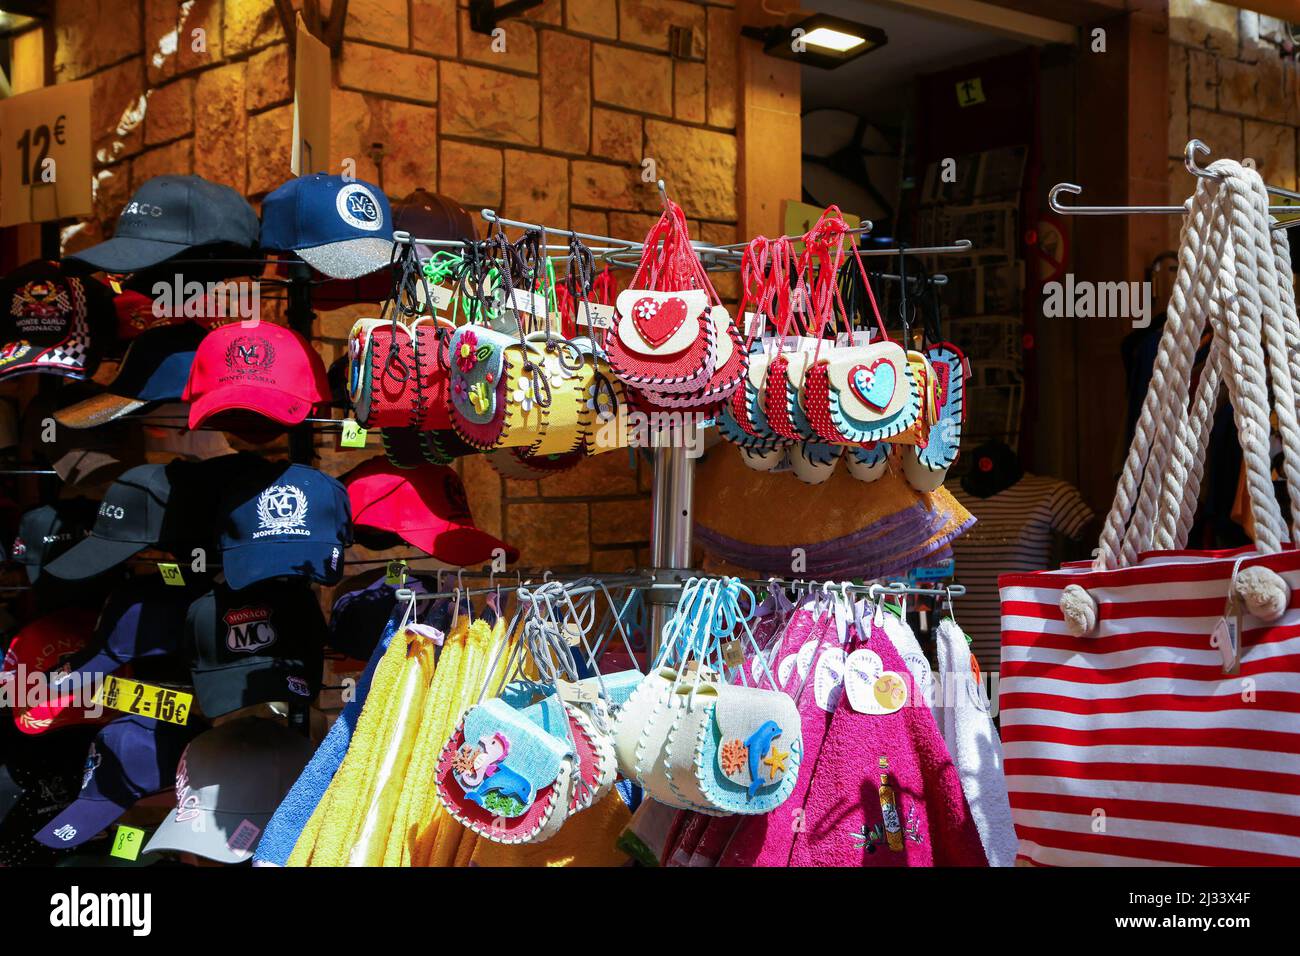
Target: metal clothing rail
<point>1194,147</point>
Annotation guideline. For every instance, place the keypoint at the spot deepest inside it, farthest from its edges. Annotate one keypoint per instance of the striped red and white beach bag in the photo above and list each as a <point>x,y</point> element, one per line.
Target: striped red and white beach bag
<point>1150,700</point>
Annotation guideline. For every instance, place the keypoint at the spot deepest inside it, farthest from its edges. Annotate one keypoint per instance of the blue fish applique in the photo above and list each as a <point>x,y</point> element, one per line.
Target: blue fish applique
<point>758,743</point>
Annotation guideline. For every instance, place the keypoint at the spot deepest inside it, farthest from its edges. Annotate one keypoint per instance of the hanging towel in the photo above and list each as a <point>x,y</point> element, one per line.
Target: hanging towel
<point>962,710</point>
<point>909,649</point>
<point>767,840</point>
<point>286,825</point>
<point>328,834</point>
<point>589,838</point>
<point>917,817</point>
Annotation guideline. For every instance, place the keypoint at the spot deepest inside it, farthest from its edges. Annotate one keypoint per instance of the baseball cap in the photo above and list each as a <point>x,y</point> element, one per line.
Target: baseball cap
<point>130,758</point>
<point>262,644</point>
<point>229,782</point>
<point>358,617</point>
<point>44,645</point>
<point>46,532</point>
<point>51,321</point>
<point>155,369</point>
<point>426,506</point>
<point>82,458</point>
<point>169,215</point>
<point>38,779</point>
<point>160,506</point>
<point>283,520</point>
<point>267,370</point>
<point>340,227</point>
<point>139,634</point>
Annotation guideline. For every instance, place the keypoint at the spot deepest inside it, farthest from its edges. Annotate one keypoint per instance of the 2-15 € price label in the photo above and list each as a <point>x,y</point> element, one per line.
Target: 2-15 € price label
<point>45,154</point>
<point>145,700</point>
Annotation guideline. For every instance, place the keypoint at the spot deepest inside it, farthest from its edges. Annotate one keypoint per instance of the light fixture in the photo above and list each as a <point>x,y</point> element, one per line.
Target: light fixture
<point>821,40</point>
<point>18,15</point>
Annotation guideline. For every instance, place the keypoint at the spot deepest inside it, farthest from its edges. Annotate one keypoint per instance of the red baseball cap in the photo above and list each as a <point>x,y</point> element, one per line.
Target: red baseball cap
<point>265,369</point>
<point>43,646</point>
<point>426,506</point>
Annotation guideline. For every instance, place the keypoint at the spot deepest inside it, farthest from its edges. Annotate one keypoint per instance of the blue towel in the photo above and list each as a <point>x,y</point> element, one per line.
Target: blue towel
<point>300,802</point>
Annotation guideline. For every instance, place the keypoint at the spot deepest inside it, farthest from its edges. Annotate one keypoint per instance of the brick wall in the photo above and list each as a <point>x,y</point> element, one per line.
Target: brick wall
<point>1231,87</point>
<point>554,128</point>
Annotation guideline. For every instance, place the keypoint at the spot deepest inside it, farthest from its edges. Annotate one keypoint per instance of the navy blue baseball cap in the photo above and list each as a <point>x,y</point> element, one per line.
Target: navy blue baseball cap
<point>155,369</point>
<point>130,759</point>
<point>340,227</point>
<point>284,520</point>
<point>142,619</point>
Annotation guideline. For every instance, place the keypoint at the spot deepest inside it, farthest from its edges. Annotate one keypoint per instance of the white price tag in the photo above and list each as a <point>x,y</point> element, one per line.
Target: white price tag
<point>532,303</point>
<point>755,324</point>
<point>596,315</point>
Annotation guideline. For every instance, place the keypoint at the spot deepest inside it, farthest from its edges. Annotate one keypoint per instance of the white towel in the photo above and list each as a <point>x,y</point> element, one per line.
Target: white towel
<point>961,708</point>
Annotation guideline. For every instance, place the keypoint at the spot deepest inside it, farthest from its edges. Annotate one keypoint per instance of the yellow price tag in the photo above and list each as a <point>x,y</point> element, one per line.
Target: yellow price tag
<point>127,843</point>
<point>354,436</point>
<point>395,573</point>
<point>145,700</point>
<point>970,92</point>
<point>171,574</point>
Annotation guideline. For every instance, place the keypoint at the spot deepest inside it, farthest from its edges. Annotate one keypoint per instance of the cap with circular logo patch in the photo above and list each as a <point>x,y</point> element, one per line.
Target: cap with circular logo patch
<point>341,227</point>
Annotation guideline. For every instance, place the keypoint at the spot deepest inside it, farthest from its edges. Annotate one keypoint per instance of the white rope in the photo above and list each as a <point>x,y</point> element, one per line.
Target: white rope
<point>1234,277</point>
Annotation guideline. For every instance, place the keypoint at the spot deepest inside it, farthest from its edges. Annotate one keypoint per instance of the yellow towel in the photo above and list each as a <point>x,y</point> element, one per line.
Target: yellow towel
<point>325,839</point>
<point>587,838</point>
<point>371,839</point>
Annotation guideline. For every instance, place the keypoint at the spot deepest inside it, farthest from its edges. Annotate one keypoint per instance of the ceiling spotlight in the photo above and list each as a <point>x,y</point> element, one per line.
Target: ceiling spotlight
<point>820,40</point>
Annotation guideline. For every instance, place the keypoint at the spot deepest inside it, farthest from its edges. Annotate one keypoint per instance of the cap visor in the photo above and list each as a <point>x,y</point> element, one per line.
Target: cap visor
<point>349,259</point>
<point>91,556</point>
<point>127,254</point>
<point>256,561</point>
<point>80,466</point>
<point>73,702</point>
<point>258,681</point>
<point>97,410</point>
<point>210,835</point>
<point>269,402</point>
<point>86,816</point>
<point>75,371</point>
<point>461,546</point>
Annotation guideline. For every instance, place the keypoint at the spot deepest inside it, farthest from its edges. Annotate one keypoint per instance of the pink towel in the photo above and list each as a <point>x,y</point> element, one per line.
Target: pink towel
<point>843,819</point>
<point>767,840</point>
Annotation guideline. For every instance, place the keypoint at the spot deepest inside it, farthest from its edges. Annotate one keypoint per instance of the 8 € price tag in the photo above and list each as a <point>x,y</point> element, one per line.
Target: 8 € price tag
<point>127,842</point>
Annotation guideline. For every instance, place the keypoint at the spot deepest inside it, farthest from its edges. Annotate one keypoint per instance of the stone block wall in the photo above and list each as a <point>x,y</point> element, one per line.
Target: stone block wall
<point>557,124</point>
<point>1234,84</point>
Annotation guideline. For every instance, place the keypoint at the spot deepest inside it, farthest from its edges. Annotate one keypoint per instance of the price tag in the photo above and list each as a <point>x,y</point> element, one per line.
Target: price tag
<point>395,573</point>
<point>171,574</point>
<point>733,653</point>
<point>45,167</point>
<point>576,693</point>
<point>572,633</point>
<point>755,324</point>
<point>353,436</point>
<point>532,303</point>
<point>311,104</point>
<point>145,700</point>
<point>441,298</point>
<point>596,315</point>
<point>127,843</point>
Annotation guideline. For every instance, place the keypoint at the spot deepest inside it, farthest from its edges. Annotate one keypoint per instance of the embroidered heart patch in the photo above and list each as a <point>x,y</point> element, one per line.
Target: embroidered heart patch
<point>942,376</point>
<point>657,319</point>
<point>874,384</point>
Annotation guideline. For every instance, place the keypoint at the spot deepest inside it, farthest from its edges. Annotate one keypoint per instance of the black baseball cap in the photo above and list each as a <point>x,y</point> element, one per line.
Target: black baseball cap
<point>262,644</point>
<point>52,322</point>
<point>169,215</point>
<point>155,369</point>
<point>38,779</point>
<point>149,506</point>
<point>46,532</point>
<point>81,457</point>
